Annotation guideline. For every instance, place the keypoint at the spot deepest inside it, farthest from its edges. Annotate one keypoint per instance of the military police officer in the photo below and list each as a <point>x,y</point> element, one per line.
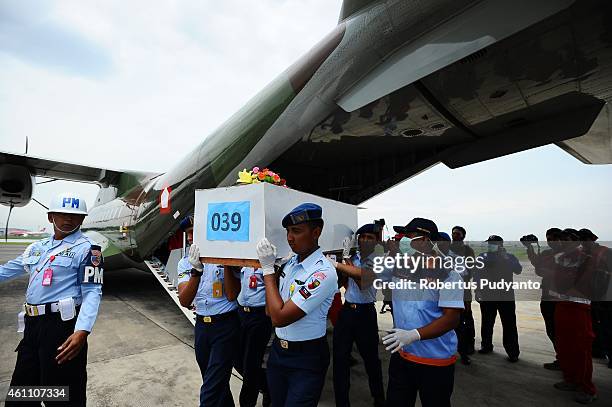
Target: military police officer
<point>298,304</point>
<point>247,285</point>
<point>423,341</point>
<point>62,299</point>
<point>217,324</point>
<point>499,265</point>
<point>357,321</point>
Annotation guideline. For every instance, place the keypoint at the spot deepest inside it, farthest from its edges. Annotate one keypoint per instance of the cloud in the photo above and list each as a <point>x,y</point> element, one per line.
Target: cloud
<point>179,70</point>
<point>27,33</point>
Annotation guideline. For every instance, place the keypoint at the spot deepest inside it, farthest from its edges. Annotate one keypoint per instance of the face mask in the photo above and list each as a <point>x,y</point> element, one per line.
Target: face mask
<point>405,247</point>
<point>379,250</point>
<point>492,247</point>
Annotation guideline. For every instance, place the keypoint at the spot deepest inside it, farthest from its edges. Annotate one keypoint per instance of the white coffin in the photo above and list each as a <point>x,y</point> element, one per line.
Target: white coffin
<point>229,221</point>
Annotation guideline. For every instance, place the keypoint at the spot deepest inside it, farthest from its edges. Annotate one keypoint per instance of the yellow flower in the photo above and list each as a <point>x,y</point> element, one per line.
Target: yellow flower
<point>244,177</point>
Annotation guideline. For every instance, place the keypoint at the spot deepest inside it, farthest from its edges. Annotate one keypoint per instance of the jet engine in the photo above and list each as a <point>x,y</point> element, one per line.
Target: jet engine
<point>16,185</point>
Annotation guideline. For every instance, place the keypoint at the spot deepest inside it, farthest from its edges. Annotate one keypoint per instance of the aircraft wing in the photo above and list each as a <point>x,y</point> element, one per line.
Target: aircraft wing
<point>479,26</point>
<point>41,167</point>
<point>17,173</point>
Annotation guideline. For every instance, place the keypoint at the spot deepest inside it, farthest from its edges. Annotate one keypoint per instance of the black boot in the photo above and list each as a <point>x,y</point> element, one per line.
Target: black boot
<point>465,360</point>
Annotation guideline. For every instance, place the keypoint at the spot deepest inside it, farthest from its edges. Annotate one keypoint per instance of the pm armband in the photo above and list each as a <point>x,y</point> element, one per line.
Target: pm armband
<point>92,270</point>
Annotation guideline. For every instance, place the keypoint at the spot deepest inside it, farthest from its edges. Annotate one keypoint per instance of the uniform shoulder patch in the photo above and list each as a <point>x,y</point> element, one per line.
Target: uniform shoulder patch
<point>96,255</point>
<point>28,251</point>
<point>92,271</point>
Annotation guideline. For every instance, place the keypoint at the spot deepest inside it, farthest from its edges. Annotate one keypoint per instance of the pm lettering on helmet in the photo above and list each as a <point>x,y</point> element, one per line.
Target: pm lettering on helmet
<point>73,202</point>
<point>93,275</point>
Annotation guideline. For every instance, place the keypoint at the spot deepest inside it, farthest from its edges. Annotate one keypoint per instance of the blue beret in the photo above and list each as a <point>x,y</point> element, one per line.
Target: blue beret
<point>303,213</point>
<point>187,222</point>
<point>369,228</point>
<point>444,236</point>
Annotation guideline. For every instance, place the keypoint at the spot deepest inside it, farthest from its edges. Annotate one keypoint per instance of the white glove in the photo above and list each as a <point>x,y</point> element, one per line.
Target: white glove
<point>267,256</point>
<point>194,258</point>
<point>398,338</point>
<point>347,245</point>
<point>332,261</point>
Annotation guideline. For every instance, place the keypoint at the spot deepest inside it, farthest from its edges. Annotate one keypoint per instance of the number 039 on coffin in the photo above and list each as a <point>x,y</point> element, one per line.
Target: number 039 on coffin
<point>230,221</point>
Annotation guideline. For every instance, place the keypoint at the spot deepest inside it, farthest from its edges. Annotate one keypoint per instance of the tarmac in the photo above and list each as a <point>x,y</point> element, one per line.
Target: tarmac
<point>141,353</point>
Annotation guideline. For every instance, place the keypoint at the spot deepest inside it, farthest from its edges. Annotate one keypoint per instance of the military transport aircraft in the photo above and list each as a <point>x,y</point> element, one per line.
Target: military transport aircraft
<point>396,87</point>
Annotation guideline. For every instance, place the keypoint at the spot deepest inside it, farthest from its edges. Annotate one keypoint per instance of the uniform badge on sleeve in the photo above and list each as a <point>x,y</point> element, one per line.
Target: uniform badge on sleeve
<point>320,275</point>
<point>96,257</point>
<point>305,293</point>
<point>92,270</point>
<point>313,284</point>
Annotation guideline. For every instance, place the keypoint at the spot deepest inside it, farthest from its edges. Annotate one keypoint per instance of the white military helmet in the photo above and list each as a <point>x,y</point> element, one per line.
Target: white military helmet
<point>68,202</point>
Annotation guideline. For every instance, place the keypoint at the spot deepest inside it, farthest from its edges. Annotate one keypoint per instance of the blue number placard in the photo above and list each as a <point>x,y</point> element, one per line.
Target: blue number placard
<point>228,221</point>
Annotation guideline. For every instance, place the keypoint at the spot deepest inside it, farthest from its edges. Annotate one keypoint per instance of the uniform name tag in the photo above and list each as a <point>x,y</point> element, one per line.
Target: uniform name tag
<point>217,289</point>
<point>228,221</point>
<point>93,275</point>
<point>253,281</point>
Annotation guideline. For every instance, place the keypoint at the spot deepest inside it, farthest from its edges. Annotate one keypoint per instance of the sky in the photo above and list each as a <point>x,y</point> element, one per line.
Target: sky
<point>128,85</point>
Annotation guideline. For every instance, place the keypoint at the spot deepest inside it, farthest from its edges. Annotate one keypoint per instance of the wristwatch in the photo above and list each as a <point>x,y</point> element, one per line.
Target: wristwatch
<point>196,273</point>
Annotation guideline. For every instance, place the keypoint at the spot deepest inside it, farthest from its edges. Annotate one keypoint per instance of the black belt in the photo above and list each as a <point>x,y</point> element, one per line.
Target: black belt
<point>353,305</point>
<point>253,310</point>
<point>211,319</point>
<point>301,346</point>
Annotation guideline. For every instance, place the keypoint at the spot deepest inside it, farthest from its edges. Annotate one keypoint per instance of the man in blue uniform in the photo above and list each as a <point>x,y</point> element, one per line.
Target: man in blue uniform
<point>466,331</point>
<point>423,341</point>
<point>298,304</point>
<point>445,247</point>
<point>62,299</point>
<point>499,265</point>
<point>357,321</point>
<point>247,285</point>
<point>216,329</point>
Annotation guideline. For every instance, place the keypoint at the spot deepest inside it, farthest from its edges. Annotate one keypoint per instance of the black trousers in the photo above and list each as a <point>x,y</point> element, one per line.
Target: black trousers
<point>598,311</point>
<point>357,325</point>
<point>547,308</point>
<point>215,344</point>
<point>36,364</point>
<point>433,384</point>
<point>466,332</point>
<point>606,327</point>
<point>297,377</point>
<point>255,331</point>
<point>507,314</point>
